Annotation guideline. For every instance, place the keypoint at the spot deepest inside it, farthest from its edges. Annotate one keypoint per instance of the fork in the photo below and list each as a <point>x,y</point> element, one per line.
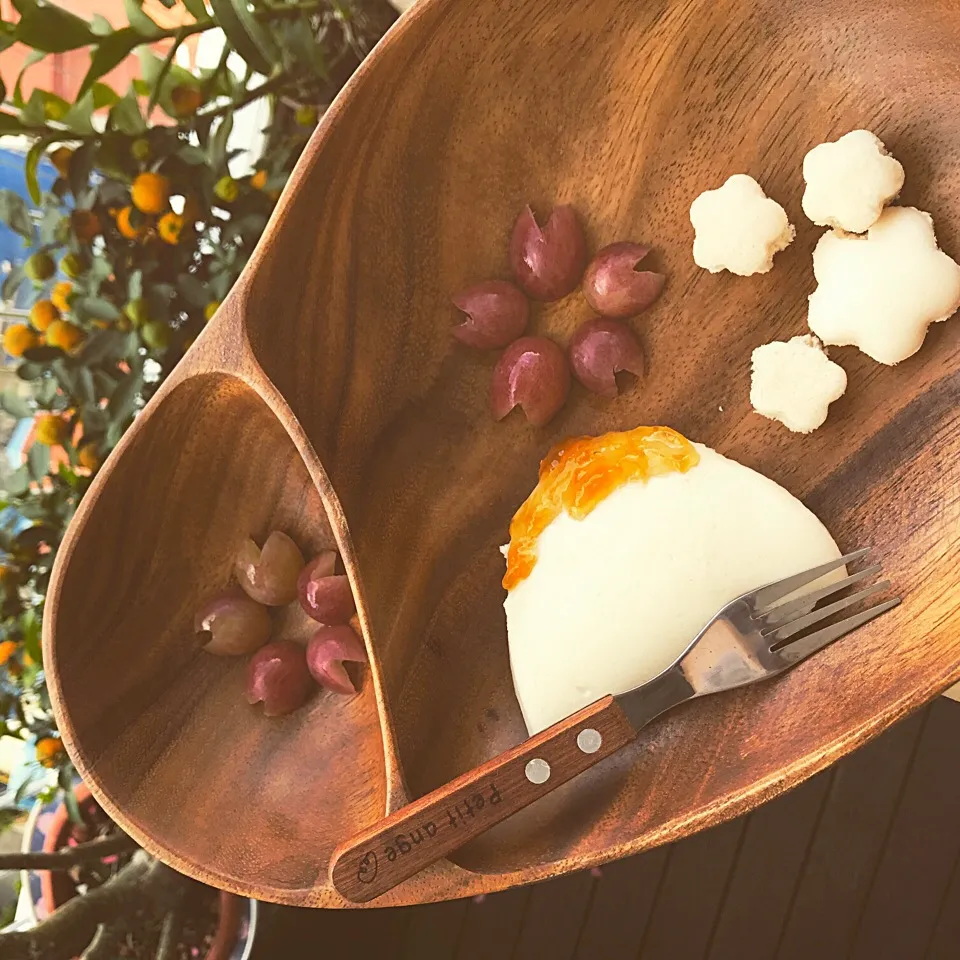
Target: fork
<point>759,635</point>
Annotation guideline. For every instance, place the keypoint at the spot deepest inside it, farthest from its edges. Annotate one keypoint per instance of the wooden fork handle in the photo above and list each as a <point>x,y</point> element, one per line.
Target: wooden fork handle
<point>415,836</point>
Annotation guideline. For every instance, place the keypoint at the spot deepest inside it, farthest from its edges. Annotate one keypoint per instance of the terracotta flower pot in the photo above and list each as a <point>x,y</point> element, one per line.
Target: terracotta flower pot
<point>57,887</point>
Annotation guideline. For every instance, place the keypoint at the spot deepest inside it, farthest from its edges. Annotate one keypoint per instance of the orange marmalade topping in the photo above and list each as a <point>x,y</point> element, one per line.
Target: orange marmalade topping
<point>580,472</point>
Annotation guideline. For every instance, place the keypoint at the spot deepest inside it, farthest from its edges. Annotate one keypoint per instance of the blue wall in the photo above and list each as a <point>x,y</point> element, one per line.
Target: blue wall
<point>12,178</point>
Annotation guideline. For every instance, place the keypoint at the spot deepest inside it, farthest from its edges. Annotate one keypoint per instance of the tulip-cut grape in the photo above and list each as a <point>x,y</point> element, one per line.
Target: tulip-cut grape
<point>532,374</point>
<point>277,677</point>
<point>496,314</point>
<point>325,597</point>
<point>548,261</point>
<point>327,650</point>
<point>613,285</point>
<point>599,350</point>
<point>231,624</point>
<point>269,575</point>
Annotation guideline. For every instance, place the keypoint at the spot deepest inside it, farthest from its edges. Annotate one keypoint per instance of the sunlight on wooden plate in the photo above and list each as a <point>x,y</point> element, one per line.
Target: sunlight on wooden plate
<point>328,399</point>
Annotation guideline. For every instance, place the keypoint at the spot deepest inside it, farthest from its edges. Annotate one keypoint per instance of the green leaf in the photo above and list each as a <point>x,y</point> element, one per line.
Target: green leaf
<point>69,797</point>
<point>112,50</point>
<point>66,375</point>
<point>47,390</point>
<point>158,82</point>
<point>140,87</point>
<point>38,461</point>
<point>54,107</point>
<point>111,193</point>
<point>15,404</point>
<point>52,29</point>
<point>220,80</point>
<point>33,114</point>
<point>164,290</point>
<point>99,270</point>
<point>103,345</point>
<point>50,222</point>
<point>30,624</point>
<point>125,116</point>
<point>152,69</point>
<point>8,35</point>
<point>94,422</point>
<point>250,225</point>
<point>68,476</point>
<point>30,371</point>
<point>33,57</point>
<point>131,350</point>
<point>105,384</point>
<point>123,403</point>
<point>139,20</point>
<point>11,283</point>
<point>193,290</point>
<point>103,95</point>
<point>14,213</point>
<point>81,166</point>
<point>135,285</point>
<point>76,381</point>
<point>162,76</point>
<point>9,123</point>
<point>83,390</point>
<point>18,483</point>
<point>28,786</point>
<point>220,286</point>
<point>79,118</point>
<point>243,33</point>
<point>95,308</point>
<point>100,26</point>
<point>31,673</point>
<point>38,149</point>
<point>114,433</point>
<point>189,153</point>
<point>42,355</point>
<point>218,143</point>
<point>300,47</point>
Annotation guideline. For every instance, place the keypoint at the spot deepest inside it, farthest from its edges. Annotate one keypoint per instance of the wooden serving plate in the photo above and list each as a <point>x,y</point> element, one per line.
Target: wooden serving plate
<point>327,399</point>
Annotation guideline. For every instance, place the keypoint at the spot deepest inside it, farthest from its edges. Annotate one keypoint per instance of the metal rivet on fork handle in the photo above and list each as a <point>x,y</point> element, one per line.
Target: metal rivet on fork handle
<point>537,771</point>
<point>589,740</point>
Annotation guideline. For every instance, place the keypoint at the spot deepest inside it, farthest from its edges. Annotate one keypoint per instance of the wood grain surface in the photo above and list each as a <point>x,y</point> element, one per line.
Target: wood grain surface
<point>327,398</point>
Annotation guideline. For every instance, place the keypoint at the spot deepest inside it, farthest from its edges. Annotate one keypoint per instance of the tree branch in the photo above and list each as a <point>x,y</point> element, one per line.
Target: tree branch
<point>142,884</point>
<point>293,8</point>
<point>105,941</point>
<point>172,923</point>
<point>255,93</point>
<point>69,856</point>
<point>187,29</point>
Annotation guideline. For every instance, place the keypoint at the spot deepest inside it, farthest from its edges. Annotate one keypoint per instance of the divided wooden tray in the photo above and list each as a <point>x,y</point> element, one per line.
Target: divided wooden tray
<point>327,399</point>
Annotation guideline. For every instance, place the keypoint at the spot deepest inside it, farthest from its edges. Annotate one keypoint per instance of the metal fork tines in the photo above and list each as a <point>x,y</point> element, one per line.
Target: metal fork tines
<point>767,631</point>
<point>782,622</point>
<point>762,634</point>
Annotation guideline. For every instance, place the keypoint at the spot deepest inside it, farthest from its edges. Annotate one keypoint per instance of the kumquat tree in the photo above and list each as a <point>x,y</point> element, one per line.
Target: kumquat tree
<point>146,226</point>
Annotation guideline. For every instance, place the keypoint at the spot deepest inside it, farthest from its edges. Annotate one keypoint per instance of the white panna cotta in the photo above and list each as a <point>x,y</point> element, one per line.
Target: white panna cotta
<point>613,598</point>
